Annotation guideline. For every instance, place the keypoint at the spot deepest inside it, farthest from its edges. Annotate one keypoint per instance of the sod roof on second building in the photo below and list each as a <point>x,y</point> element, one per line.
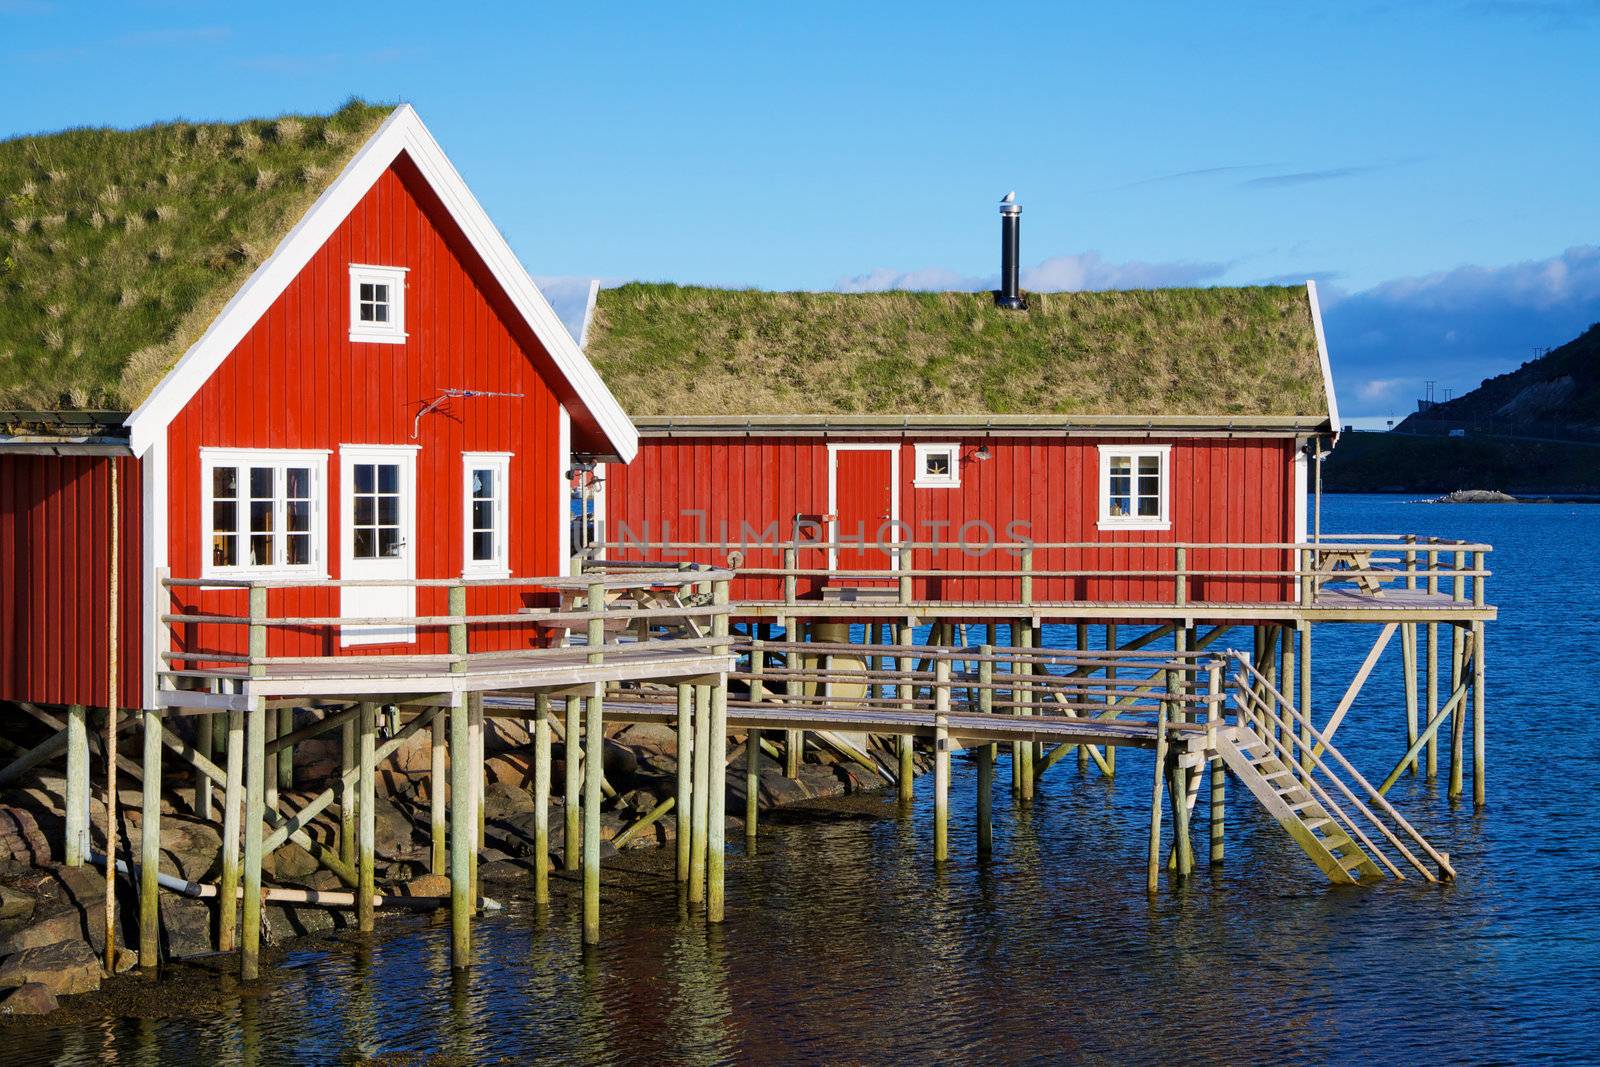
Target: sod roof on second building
<point>669,350</point>
<point>118,247</point>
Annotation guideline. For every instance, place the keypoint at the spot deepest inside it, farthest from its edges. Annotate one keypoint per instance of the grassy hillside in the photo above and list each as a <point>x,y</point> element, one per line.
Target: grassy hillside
<point>1556,395</point>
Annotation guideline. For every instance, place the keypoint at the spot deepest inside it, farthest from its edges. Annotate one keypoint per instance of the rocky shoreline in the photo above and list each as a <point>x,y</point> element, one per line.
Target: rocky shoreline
<point>51,926</point>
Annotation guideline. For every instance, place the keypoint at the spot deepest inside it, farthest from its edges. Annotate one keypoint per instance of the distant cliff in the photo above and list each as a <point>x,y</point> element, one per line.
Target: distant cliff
<point>1535,430</point>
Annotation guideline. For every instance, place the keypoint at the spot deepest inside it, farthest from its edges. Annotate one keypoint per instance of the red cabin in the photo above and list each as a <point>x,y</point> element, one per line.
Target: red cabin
<point>336,367</point>
<point>1093,444</point>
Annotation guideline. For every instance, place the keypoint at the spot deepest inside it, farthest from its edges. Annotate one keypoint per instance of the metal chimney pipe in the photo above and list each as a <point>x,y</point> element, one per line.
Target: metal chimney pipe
<point>1009,295</point>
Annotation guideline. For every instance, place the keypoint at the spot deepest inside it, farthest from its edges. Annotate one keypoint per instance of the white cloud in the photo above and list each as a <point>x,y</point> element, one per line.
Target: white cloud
<point>1083,271</point>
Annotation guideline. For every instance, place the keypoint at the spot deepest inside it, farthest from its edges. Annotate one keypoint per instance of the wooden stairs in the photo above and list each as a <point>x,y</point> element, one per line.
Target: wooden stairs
<point>1283,792</point>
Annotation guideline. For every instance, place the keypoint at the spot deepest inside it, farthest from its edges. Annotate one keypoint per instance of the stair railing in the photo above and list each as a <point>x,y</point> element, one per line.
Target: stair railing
<point>1248,678</point>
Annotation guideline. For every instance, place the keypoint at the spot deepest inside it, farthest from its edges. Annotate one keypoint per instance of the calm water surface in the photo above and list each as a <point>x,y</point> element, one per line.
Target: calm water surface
<point>842,944</point>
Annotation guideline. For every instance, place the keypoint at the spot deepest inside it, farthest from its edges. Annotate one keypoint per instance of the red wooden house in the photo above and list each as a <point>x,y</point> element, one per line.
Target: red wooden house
<point>314,357</point>
<point>1104,428</point>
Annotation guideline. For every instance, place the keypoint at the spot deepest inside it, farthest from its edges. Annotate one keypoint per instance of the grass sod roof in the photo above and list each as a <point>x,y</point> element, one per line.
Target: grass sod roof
<point>118,247</point>
<point>686,351</point>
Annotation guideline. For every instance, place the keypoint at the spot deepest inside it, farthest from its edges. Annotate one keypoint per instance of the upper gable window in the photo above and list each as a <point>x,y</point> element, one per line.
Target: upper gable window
<point>377,303</point>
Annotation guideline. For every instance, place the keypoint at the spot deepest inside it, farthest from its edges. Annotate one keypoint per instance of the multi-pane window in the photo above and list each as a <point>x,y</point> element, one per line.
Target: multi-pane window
<point>260,511</point>
<point>375,497</point>
<point>1133,486</point>
<point>377,303</point>
<point>485,512</point>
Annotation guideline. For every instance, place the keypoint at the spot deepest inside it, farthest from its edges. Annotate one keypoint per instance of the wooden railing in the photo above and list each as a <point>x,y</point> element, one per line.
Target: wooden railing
<point>1367,561</point>
<point>663,606</point>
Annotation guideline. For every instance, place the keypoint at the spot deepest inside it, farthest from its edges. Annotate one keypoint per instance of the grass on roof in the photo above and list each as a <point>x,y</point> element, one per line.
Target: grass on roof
<point>118,247</point>
<point>680,350</point>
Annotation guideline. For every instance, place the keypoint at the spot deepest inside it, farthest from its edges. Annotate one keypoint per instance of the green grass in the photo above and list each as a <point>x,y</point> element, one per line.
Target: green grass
<point>682,350</point>
<point>118,247</point>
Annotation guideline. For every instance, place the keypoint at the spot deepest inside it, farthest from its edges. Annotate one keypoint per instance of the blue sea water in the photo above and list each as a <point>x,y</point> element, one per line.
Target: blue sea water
<point>844,945</point>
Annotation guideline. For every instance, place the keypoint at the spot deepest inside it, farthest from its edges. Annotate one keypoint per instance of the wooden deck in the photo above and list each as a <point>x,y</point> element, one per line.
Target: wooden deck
<point>539,670</point>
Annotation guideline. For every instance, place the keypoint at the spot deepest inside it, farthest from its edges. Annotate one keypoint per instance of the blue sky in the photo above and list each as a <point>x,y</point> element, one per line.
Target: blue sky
<point>1432,164</point>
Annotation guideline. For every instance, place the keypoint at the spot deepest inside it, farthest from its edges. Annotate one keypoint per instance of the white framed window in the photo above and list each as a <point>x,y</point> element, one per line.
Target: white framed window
<point>938,466</point>
<point>1135,486</point>
<point>377,304</point>
<point>485,519</point>
<point>264,513</point>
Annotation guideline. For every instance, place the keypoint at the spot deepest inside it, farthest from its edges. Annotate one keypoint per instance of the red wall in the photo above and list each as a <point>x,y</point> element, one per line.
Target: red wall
<point>297,381</point>
<point>55,550</point>
<point>1222,491</point>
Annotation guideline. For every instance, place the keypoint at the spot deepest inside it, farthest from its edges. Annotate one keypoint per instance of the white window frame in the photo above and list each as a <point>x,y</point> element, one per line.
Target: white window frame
<point>500,565</point>
<point>1109,521</point>
<point>316,460</point>
<point>392,332</point>
<point>923,480</point>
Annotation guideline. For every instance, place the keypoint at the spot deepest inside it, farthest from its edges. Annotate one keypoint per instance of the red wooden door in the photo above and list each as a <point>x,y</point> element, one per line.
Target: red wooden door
<point>864,507</point>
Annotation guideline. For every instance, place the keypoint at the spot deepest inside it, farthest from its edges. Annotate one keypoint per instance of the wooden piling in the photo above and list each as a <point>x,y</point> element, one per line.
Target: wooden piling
<point>1022,769</point>
<point>366,833</point>
<point>285,752</point>
<point>1111,685</point>
<point>461,835</point>
<point>572,811</point>
<point>1183,845</point>
<point>941,760</point>
<point>905,745</point>
<point>752,787</point>
<point>1458,720</point>
<point>1153,870</point>
<point>272,765</point>
<point>479,769</point>
<point>1408,674</point>
<point>255,806</point>
<point>716,816</point>
<point>149,846</point>
<point>985,801</point>
<point>76,846</point>
<point>232,801</point>
<point>1478,746</point>
<point>1217,772</point>
<point>1304,628</point>
<point>685,801</point>
<point>438,736</point>
<point>347,792</point>
<point>204,743</point>
<point>541,799</point>
<point>702,794</point>
<point>593,765</point>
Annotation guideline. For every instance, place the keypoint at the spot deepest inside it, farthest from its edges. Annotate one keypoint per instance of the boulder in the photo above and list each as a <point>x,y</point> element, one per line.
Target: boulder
<point>62,926</point>
<point>33,998</point>
<point>650,738</point>
<point>15,905</point>
<point>501,800</point>
<point>65,968</point>
<point>425,885</point>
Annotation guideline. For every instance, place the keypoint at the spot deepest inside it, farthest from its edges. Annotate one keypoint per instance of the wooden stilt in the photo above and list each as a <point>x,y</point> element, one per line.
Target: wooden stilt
<point>348,742</point>
<point>941,761</point>
<point>1458,721</point>
<point>1183,846</point>
<point>461,835</point>
<point>285,752</point>
<point>685,805</point>
<point>906,744</point>
<point>232,801</point>
<point>204,742</point>
<point>1478,784</point>
<point>752,787</point>
<point>366,830</point>
<point>716,800</point>
<point>572,810</point>
<point>1153,870</point>
<point>985,801</point>
<point>150,846</point>
<point>593,766</point>
<point>1217,772</point>
<point>702,793</point>
<point>1024,698</point>
<point>272,768</point>
<point>1111,685</point>
<point>76,847</point>
<point>541,799</point>
<point>479,769</point>
<point>438,737</point>
<point>255,806</point>
<point>1408,673</point>
<point>1304,627</point>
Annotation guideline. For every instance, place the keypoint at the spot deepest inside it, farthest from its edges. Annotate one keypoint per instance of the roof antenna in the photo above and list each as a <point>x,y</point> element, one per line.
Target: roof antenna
<point>449,394</point>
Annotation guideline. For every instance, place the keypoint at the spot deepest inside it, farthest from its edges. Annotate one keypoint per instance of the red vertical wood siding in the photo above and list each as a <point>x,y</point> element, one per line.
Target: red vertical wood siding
<point>55,551</point>
<point>297,381</point>
<point>1221,491</point>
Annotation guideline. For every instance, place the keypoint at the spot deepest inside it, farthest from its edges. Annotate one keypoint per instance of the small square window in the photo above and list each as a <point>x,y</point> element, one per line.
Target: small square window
<point>377,304</point>
<point>938,466</point>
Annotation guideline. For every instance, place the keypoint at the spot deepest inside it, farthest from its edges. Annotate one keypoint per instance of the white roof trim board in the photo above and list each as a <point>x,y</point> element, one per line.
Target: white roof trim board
<point>1322,354</point>
<point>402,131</point>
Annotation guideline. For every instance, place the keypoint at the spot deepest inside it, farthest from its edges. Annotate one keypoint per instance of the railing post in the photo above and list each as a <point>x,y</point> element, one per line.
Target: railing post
<point>595,605</point>
<point>257,667</point>
<point>902,560</point>
<point>457,609</point>
<point>1308,582</point>
<point>791,558</point>
<point>1478,562</point>
<point>1027,575</point>
<point>1180,569</point>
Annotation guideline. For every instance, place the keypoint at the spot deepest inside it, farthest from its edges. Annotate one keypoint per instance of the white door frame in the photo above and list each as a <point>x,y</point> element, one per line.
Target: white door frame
<point>378,601</point>
<point>833,494</point>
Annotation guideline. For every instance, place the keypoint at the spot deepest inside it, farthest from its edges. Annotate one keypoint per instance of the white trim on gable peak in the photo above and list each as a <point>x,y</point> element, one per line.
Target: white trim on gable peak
<point>1322,354</point>
<point>402,131</point>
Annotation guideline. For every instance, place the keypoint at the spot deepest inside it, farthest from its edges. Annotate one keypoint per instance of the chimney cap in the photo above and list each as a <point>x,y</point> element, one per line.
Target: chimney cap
<point>1009,205</point>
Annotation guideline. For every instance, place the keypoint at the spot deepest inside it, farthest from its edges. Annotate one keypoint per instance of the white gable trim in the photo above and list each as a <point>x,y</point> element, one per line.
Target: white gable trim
<point>402,131</point>
<point>1322,354</point>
